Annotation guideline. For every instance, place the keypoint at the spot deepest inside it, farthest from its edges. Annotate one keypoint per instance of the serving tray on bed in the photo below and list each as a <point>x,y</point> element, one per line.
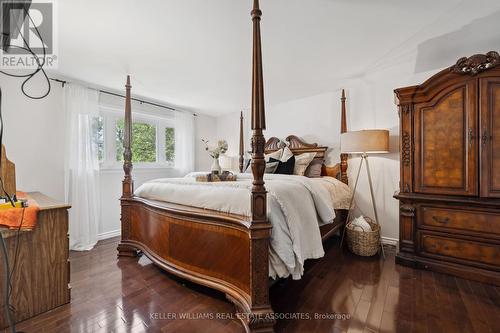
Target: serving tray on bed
<point>212,177</point>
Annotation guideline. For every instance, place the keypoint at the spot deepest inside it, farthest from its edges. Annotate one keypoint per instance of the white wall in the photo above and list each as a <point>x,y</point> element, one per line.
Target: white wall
<point>206,128</point>
<point>315,119</point>
<point>34,136</point>
<point>34,140</point>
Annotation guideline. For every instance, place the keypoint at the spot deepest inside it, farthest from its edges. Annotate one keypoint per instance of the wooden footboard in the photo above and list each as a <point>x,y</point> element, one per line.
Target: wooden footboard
<point>218,250</point>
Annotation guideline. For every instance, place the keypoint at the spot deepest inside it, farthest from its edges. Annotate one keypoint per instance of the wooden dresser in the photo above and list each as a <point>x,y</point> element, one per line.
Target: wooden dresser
<point>450,171</point>
<point>41,279</point>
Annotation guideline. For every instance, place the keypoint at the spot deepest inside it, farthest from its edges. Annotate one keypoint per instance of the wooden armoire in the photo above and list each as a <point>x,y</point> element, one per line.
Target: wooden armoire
<point>450,171</point>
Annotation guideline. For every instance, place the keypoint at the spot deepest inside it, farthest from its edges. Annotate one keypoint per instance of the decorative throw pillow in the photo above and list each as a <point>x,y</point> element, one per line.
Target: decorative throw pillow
<point>285,168</point>
<point>287,153</point>
<point>271,167</point>
<point>276,155</point>
<point>248,169</point>
<point>302,162</point>
<point>314,169</point>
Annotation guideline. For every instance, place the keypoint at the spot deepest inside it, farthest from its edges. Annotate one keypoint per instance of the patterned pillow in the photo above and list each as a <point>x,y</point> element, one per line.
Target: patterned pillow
<point>271,167</point>
<point>285,168</point>
<point>276,155</point>
<point>314,169</point>
<point>287,153</point>
<point>302,162</point>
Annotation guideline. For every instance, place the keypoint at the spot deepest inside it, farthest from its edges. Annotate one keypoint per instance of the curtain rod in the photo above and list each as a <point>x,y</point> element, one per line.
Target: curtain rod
<point>133,99</point>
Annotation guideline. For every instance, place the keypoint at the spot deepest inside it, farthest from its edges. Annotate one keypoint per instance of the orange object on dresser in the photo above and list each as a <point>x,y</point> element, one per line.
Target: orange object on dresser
<point>23,218</point>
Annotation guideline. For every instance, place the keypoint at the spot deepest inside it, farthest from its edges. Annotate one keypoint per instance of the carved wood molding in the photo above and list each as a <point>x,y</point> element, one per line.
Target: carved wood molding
<point>241,159</point>
<point>406,147</point>
<point>407,210</point>
<point>476,63</point>
<point>295,143</point>
<point>406,108</point>
<point>274,144</point>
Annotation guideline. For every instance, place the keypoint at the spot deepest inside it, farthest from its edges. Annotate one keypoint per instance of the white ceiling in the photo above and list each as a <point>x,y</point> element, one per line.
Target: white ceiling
<point>196,53</point>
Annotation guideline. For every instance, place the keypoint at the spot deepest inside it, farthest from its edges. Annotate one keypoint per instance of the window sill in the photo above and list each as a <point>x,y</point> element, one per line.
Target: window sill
<point>136,168</point>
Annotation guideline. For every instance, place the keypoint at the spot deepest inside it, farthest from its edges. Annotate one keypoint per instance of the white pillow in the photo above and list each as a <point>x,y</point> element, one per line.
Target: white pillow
<point>276,155</point>
<point>287,153</point>
<point>361,224</point>
<point>302,161</point>
<point>271,167</point>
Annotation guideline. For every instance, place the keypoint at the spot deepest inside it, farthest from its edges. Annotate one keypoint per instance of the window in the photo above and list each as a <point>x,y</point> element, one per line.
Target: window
<point>169,144</point>
<point>98,136</point>
<point>143,142</point>
<point>153,140</point>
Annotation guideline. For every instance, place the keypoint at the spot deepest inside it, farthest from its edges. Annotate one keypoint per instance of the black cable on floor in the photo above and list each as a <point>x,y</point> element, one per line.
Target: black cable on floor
<point>6,285</point>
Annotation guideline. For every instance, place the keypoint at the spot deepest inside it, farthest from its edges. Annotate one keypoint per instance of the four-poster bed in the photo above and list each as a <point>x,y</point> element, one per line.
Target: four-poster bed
<point>224,251</point>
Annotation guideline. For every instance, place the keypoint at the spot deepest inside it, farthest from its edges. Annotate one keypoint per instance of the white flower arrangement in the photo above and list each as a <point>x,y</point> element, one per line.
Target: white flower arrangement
<point>216,152</point>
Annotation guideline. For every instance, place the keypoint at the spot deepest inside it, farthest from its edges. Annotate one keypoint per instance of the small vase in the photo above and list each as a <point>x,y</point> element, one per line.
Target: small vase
<point>215,168</point>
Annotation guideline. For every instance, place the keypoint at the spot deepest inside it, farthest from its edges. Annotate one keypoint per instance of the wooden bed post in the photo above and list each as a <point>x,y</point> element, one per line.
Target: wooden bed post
<point>242,144</point>
<point>260,317</point>
<point>127,183</point>
<point>343,129</point>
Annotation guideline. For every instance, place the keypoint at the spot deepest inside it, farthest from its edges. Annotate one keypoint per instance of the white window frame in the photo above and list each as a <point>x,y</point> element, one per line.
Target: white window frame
<point>110,117</point>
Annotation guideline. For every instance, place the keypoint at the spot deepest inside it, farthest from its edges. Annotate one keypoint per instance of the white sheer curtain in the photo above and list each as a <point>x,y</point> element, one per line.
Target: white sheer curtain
<point>184,142</point>
<point>81,166</point>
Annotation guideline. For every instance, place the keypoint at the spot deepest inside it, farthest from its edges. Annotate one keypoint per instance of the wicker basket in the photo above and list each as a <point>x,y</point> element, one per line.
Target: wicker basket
<point>363,243</point>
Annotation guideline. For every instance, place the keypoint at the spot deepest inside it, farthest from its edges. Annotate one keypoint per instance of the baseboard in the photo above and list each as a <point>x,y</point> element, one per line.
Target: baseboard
<point>115,233</point>
<point>390,241</point>
<point>109,234</point>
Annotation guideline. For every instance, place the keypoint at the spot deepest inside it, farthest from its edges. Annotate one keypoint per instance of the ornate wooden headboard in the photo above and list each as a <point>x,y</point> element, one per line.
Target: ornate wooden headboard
<point>298,146</point>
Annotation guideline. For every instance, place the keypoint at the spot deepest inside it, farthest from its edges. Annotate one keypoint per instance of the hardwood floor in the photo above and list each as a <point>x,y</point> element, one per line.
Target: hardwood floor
<point>367,294</point>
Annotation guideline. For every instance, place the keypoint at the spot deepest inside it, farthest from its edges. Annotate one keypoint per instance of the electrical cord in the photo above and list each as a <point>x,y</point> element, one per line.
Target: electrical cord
<point>5,264</point>
<point>16,251</point>
<point>40,63</point>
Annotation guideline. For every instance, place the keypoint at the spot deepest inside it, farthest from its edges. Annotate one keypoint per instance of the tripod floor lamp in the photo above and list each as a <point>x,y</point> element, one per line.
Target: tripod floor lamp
<point>365,142</point>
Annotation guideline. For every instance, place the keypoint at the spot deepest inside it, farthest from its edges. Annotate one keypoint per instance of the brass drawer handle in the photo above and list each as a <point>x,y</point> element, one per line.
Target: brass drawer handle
<point>442,220</point>
<point>485,137</point>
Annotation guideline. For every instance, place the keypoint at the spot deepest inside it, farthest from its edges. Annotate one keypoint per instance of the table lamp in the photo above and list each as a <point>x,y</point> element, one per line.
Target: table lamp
<point>226,162</point>
<point>365,142</point>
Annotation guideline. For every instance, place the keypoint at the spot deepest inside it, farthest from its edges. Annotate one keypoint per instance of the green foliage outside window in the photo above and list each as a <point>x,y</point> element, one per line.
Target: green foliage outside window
<point>169,144</point>
<point>98,136</point>
<point>143,142</point>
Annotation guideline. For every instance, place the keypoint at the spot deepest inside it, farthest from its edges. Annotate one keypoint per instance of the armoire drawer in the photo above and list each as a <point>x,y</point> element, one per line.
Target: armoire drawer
<point>461,249</point>
<point>484,222</point>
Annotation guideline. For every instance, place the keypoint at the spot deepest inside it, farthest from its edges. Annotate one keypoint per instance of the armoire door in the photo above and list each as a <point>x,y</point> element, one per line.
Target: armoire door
<point>489,95</point>
<point>446,142</point>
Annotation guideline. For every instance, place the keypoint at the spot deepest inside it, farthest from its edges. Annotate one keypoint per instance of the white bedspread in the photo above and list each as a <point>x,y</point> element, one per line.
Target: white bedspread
<point>297,206</point>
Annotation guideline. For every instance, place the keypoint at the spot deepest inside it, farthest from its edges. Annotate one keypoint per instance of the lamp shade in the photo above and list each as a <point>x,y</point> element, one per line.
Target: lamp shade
<point>365,141</point>
<point>226,162</point>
